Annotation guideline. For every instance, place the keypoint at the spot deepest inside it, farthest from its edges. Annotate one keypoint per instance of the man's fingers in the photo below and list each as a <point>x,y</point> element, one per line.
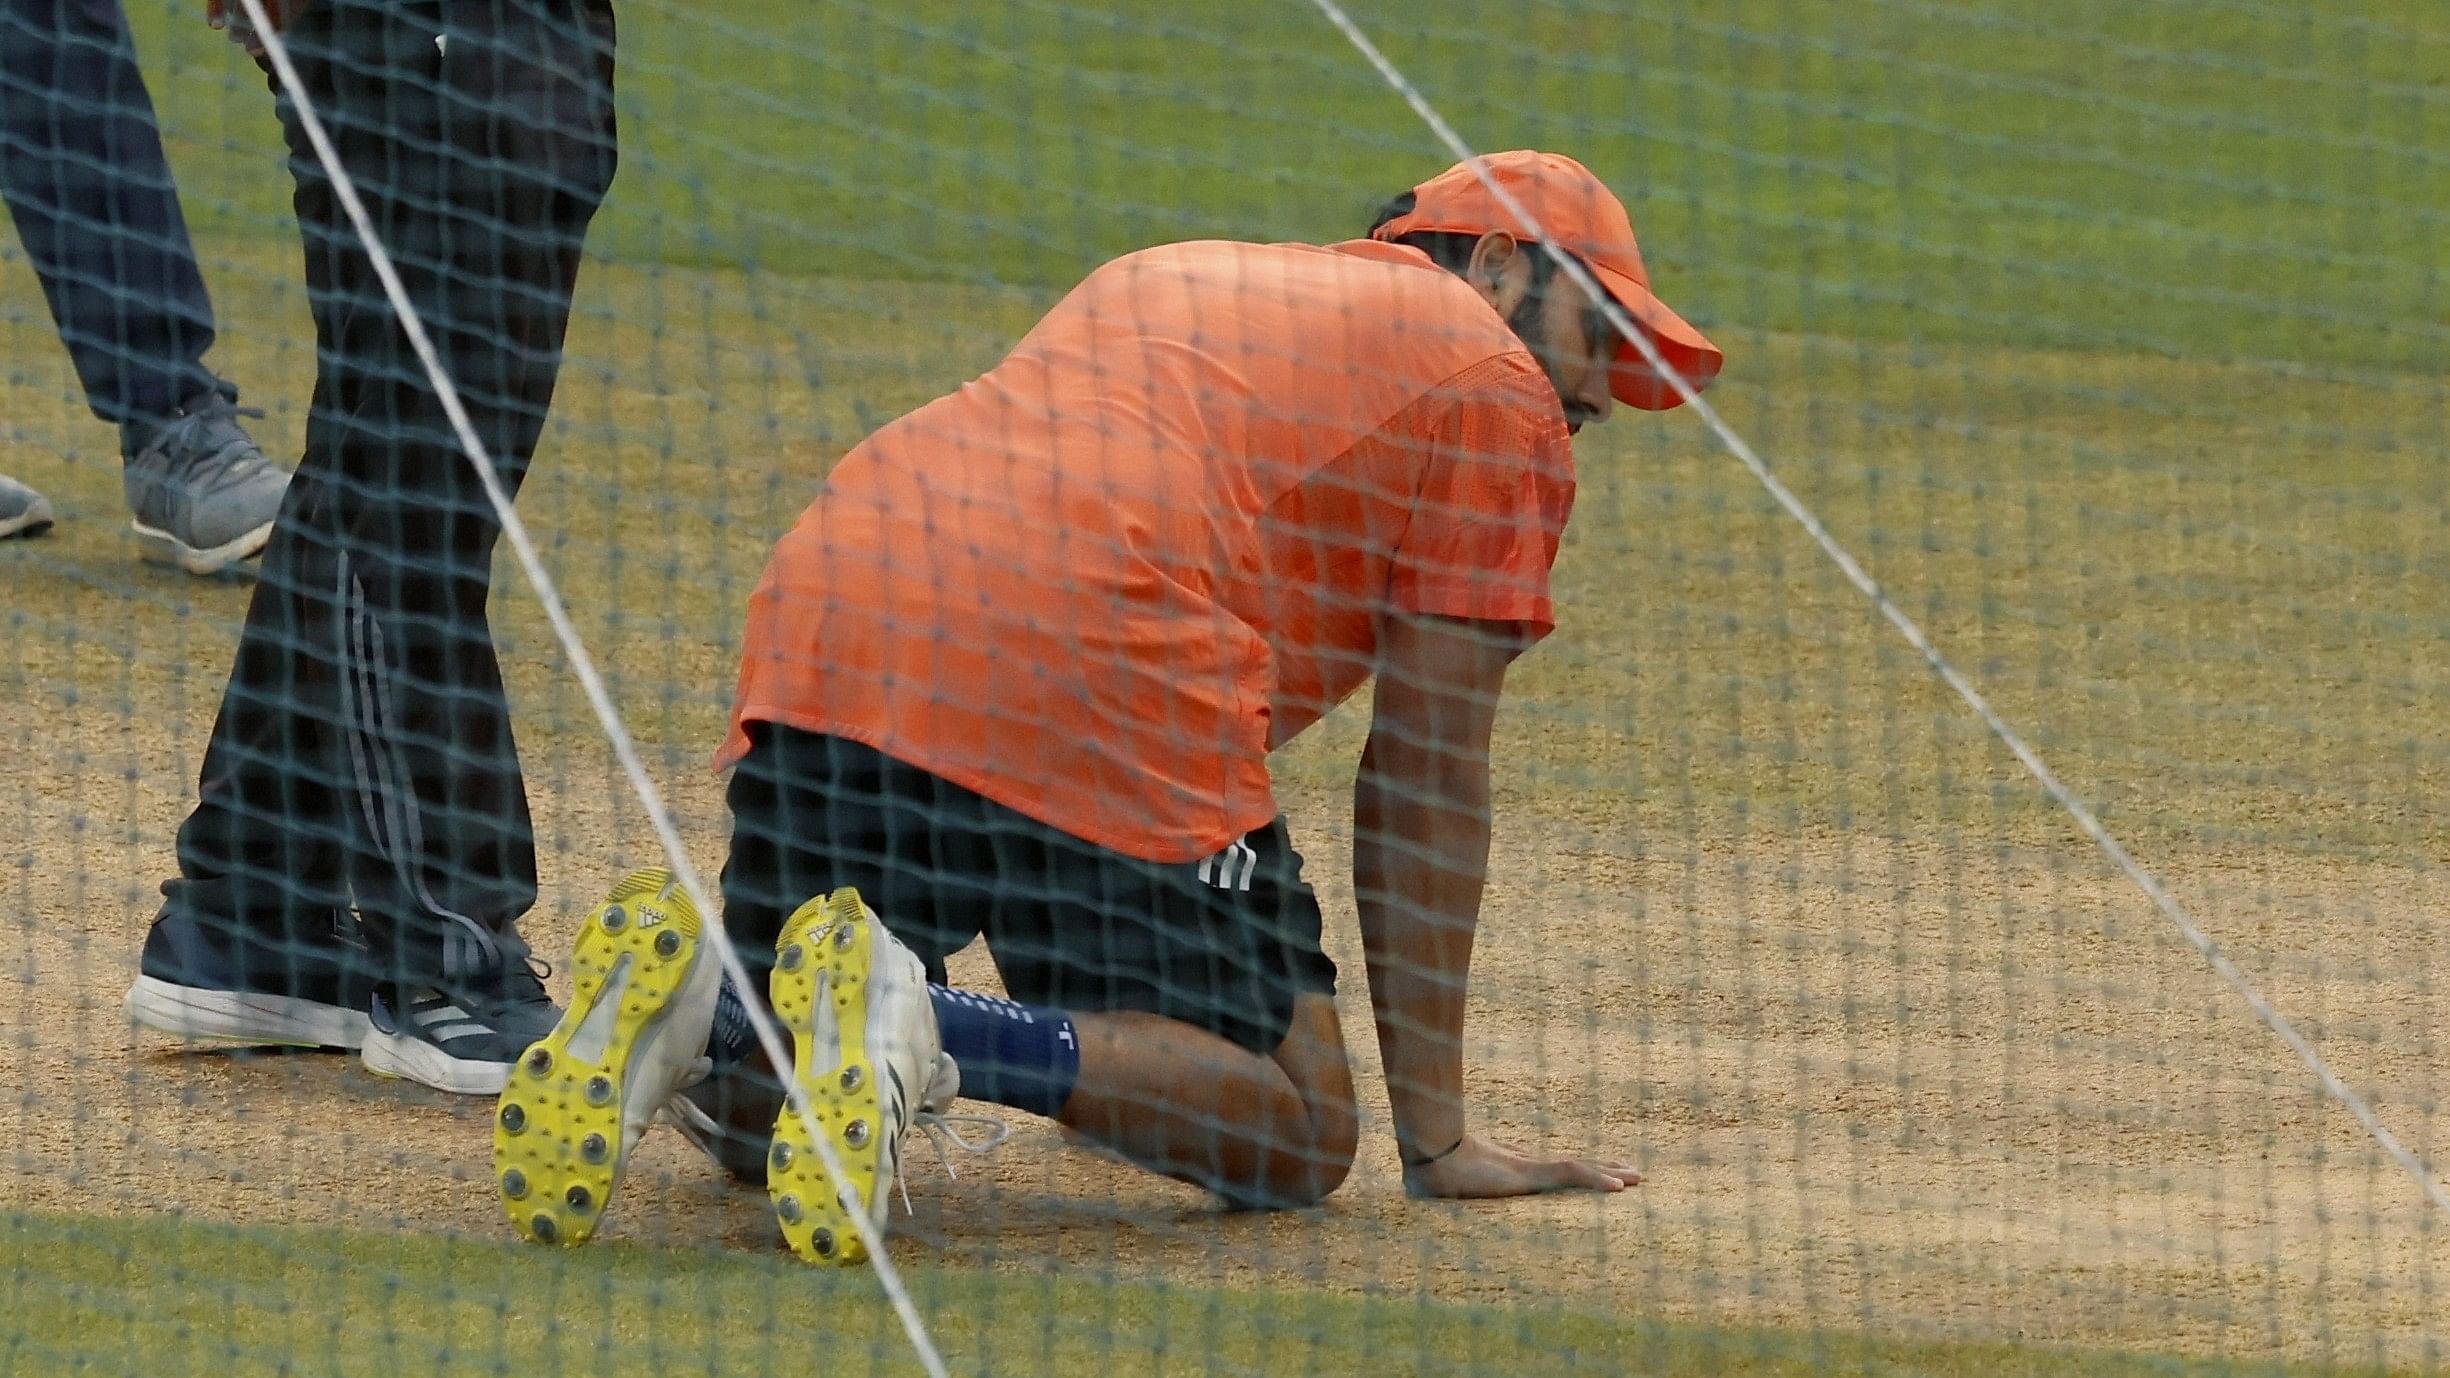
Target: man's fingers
<point>1574,1174</point>
<point>1482,1168</point>
<point>216,16</point>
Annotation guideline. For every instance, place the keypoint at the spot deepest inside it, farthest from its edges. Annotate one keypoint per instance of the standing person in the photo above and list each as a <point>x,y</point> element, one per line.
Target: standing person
<point>360,849</point>
<point>1016,674</point>
<point>82,170</point>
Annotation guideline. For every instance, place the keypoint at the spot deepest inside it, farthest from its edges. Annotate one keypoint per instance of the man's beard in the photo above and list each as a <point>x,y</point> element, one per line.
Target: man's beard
<point>1525,322</point>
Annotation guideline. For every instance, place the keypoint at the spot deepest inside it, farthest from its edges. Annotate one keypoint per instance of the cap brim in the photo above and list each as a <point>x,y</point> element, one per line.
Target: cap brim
<point>1686,350</point>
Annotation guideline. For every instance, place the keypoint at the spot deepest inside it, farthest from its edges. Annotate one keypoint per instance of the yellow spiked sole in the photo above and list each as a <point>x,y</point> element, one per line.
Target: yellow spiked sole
<point>557,1142</point>
<point>819,991</point>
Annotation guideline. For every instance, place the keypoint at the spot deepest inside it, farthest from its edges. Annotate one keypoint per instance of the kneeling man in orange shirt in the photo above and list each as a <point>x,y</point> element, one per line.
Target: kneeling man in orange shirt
<point>1016,673</point>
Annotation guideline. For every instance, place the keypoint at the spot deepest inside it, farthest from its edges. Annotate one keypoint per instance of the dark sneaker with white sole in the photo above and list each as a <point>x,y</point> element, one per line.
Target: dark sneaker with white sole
<point>208,983</point>
<point>203,495</point>
<point>463,1039</point>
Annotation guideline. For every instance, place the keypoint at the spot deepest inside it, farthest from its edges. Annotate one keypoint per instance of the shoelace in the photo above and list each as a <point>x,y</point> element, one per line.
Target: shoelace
<point>182,435</point>
<point>700,1128</point>
<point>683,1114</point>
<point>502,992</point>
<point>939,1131</point>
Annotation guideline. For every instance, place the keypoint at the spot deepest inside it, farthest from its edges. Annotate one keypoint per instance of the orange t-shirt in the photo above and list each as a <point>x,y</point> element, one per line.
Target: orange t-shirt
<point>1086,584</point>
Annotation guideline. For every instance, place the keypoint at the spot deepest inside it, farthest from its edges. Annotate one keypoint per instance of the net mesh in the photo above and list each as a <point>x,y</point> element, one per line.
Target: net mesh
<point>2105,339</point>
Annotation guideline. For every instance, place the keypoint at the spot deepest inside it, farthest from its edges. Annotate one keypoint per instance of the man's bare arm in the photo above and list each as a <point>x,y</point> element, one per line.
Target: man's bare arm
<point>1420,859</point>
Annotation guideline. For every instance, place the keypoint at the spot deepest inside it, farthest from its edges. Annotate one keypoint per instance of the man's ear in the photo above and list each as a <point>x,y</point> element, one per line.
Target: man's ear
<point>1491,257</point>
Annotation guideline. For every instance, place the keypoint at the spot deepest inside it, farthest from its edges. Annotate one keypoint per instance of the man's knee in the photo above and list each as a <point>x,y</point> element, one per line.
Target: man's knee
<point>1336,1138</point>
<point>1299,1165</point>
<point>1313,1163</point>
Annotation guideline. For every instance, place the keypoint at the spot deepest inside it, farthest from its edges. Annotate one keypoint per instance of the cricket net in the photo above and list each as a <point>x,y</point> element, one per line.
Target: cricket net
<point>2105,341</point>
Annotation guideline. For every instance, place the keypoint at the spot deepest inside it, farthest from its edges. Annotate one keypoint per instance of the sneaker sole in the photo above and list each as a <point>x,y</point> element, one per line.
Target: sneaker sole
<point>161,548</point>
<point>236,1018</point>
<point>404,1057</point>
<point>558,1145</point>
<point>825,955</point>
<point>28,524</point>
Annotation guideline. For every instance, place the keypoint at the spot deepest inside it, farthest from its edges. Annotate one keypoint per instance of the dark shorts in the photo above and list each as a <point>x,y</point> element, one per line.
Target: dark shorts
<point>1225,944</point>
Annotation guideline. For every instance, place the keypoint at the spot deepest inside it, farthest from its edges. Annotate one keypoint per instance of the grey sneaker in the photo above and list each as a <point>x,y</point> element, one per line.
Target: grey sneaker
<point>203,494</point>
<point>23,512</point>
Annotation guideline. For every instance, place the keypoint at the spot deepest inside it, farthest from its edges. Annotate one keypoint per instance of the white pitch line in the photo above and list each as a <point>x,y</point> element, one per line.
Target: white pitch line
<point>769,1037</point>
<point>2051,785</point>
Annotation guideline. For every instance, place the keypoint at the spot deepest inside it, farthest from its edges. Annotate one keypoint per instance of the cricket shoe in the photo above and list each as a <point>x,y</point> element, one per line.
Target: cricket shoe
<point>634,1034</point>
<point>459,1028</point>
<point>867,1060</point>
<point>210,982</point>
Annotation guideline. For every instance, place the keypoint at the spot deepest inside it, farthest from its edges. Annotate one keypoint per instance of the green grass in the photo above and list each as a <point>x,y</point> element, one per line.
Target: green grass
<point>168,1296</point>
<point>2241,181</point>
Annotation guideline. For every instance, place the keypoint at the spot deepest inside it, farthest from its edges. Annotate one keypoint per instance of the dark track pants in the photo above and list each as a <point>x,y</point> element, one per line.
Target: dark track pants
<point>363,755</point>
<point>81,168</point>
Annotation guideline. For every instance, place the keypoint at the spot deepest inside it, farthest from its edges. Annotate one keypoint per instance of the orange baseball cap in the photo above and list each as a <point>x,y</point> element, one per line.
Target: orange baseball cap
<point>1577,213</point>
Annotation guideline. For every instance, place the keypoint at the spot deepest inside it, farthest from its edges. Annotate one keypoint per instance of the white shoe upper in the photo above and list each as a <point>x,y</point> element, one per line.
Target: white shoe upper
<point>672,1053</point>
<point>908,1050</point>
<point>919,1080</point>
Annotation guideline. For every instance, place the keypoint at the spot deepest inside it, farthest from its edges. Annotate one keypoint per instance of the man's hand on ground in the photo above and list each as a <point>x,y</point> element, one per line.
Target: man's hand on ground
<point>1479,1169</point>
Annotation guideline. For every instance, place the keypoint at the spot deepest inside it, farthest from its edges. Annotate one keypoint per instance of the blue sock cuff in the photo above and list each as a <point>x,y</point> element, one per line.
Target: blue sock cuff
<point>1025,1057</point>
